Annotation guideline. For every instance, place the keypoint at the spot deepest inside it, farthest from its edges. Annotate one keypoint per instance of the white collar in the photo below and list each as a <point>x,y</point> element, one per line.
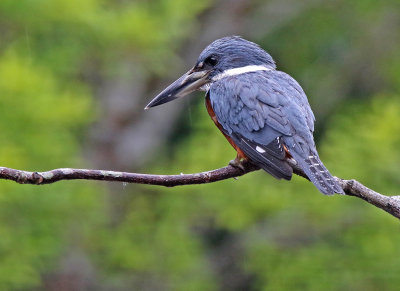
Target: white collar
<point>239,71</point>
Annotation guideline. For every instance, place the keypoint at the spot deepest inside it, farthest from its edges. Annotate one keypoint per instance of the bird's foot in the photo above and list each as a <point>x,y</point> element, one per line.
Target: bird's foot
<point>238,163</point>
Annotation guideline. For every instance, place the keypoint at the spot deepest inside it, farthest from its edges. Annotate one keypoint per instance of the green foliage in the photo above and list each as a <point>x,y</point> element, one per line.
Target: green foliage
<point>73,37</point>
<point>37,112</point>
<point>286,235</point>
<point>374,144</point>
<point>40,119</point>
<point>49,52</point>
<point>155,244</point>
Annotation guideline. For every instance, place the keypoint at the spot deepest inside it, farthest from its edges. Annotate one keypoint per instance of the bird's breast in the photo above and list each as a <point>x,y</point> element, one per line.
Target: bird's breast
<point>210,110</point>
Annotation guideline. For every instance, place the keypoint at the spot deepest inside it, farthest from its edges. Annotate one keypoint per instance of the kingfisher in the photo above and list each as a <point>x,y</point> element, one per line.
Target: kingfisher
<point>263,112</point>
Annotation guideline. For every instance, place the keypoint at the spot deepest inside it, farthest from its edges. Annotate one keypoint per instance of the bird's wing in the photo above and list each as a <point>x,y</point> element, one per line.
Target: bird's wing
<point>265,112</point>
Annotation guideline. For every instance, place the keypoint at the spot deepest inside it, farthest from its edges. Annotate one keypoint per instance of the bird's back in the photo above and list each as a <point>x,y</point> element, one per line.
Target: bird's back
<point>268,110</point>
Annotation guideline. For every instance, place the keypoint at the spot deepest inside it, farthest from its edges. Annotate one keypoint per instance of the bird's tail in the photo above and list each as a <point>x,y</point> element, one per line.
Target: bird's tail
<point>319,175</point>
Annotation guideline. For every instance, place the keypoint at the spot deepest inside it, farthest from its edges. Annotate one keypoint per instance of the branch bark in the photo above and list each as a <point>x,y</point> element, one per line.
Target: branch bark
<point>390,204</point>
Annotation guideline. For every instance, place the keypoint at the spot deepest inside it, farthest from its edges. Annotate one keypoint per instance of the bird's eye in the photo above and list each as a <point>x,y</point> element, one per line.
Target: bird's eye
<point>211,61</point>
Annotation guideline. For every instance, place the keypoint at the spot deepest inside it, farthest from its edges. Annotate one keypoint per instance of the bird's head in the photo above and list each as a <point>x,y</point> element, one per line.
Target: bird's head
<point>226,56</point>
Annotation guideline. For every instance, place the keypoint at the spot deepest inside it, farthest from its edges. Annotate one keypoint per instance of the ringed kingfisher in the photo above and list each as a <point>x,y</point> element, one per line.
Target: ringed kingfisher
<point>262,112</point>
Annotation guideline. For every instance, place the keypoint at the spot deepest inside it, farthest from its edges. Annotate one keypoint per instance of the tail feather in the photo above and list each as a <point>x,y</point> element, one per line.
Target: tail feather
<point>319,175</point>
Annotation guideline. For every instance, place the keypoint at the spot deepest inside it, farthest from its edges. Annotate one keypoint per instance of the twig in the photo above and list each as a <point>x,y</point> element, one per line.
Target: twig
<point>390,204</point>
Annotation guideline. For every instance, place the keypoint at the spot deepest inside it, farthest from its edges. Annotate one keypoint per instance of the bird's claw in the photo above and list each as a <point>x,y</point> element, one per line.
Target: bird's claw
<point>237,163</point>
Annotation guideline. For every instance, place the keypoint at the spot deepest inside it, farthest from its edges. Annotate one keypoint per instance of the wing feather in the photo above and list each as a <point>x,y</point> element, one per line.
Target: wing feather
<point>270,158</point>
<point>264,111</point>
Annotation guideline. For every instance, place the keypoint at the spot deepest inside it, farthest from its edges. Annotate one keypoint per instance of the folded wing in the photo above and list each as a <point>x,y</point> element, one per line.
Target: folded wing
<point>266,113</point>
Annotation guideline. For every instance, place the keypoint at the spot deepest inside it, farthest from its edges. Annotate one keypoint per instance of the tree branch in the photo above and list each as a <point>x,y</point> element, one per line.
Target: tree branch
<point>390,204</point>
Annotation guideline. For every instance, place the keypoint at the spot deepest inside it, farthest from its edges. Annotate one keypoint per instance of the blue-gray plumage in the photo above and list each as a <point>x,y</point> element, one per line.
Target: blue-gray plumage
<point>264,113</point>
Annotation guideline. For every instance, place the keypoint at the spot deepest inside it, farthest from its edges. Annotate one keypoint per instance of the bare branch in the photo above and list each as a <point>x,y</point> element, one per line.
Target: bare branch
<point>390,204</point>
<point>40,178</point>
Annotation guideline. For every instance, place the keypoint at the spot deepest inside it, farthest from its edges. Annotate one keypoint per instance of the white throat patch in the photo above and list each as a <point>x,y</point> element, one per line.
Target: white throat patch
<point>239,71</point>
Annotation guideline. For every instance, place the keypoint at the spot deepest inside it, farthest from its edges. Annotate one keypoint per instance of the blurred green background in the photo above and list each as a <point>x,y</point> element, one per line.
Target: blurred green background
<point>74,78</point>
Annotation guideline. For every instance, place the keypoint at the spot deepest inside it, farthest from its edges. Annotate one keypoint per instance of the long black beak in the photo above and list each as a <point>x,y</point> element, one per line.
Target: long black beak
<point>189,82</point>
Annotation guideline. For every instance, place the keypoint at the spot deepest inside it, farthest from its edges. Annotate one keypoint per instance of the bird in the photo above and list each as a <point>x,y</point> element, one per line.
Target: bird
<point>263,112</point>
